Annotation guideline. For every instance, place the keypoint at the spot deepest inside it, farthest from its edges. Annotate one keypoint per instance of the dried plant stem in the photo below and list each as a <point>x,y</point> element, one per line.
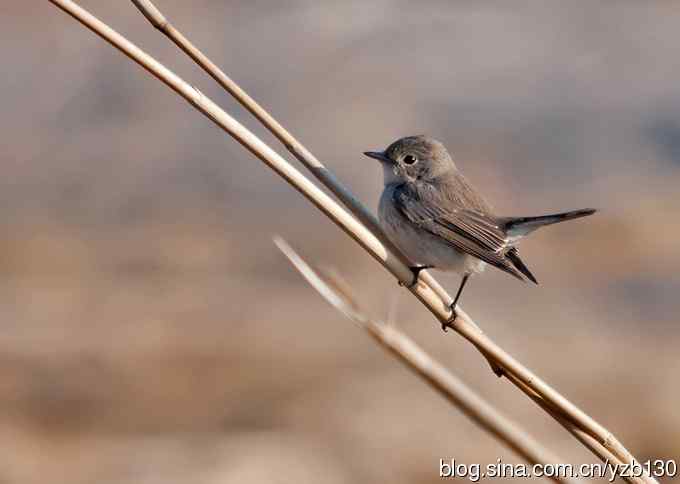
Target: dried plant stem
<point>426,290</point>
<point>470,331</point>
<point>414,357</point>
<point>325,176</point>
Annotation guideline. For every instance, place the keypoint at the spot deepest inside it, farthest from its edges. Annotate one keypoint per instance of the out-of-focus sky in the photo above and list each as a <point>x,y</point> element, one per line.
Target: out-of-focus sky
<point>151,331</point>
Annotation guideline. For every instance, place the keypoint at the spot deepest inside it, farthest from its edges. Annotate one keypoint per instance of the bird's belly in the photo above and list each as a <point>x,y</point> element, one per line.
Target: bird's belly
<point>423,248</point>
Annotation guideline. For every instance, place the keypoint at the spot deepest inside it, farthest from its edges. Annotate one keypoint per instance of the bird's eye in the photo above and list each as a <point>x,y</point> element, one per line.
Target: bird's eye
<point>409,159</point>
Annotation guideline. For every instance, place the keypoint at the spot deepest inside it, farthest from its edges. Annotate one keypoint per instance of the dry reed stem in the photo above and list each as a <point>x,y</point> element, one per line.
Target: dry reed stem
<point>415,358</point>
<point>158,20</point>
<point>325,176</point>
<point>426,290</point>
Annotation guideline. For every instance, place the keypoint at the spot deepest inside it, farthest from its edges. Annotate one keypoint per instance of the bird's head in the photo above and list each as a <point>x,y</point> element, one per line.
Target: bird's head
<point>413,158</point>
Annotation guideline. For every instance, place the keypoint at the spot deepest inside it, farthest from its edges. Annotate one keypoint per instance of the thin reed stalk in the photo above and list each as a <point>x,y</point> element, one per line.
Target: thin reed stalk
<point>416,359</point>
<point>368,235</point>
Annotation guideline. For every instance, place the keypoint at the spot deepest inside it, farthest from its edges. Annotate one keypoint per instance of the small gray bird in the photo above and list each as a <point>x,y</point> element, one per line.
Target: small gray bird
<point>433,214</point>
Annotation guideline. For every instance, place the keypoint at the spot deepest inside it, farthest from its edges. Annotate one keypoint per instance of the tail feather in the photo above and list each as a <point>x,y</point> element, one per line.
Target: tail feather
<point>517,227</point>
<point>520,226</point>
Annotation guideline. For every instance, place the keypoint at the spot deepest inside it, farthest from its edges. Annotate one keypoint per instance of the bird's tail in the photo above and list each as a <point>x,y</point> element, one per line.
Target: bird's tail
<point>518,227</point>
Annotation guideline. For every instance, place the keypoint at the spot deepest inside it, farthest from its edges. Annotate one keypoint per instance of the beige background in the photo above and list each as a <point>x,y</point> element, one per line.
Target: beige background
<point>150,331</point>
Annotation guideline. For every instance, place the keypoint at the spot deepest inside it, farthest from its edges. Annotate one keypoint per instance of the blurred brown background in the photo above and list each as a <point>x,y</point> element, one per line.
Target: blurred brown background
<point>151,332</point>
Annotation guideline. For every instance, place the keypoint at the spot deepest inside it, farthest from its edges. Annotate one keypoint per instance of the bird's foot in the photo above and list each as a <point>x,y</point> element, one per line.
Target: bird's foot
<point>416,274</point>
<point>452,319</point>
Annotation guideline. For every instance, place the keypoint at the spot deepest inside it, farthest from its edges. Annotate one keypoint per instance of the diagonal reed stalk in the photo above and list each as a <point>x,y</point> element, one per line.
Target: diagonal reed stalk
<point>415,358</point>
<point>367,234</point>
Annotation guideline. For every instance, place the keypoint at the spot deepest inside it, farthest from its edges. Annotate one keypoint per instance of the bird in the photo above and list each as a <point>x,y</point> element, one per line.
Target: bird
<point>432,213</point>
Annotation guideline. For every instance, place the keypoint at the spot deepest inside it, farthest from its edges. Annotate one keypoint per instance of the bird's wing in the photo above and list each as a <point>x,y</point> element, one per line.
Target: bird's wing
<point>468,231</point>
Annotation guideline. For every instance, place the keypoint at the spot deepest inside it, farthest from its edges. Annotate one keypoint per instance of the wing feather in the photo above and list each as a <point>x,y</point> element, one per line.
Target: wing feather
<point>468,231</point>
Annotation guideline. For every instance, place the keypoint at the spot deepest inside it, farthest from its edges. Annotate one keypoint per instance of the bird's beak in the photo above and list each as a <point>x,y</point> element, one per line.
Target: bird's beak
<point>378,155</point>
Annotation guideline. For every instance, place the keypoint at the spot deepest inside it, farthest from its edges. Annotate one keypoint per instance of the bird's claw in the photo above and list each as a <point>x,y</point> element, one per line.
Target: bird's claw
<point>452,319</point>
<point>416,274</point>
